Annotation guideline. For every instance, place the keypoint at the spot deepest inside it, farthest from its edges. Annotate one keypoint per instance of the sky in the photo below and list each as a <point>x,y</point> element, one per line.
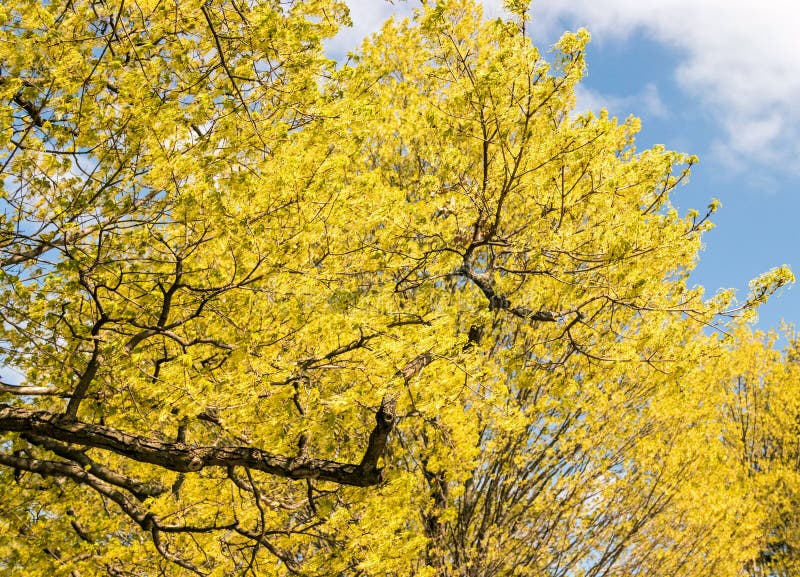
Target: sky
<point>716,78</point>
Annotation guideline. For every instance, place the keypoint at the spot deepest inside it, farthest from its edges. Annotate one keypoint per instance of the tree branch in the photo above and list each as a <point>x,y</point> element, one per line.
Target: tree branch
<point>185,458</point>
<point>384,423</point>
<point>30,108</point>
<point>32,391</point>
<point>138,489</point>
<point>500,302</point>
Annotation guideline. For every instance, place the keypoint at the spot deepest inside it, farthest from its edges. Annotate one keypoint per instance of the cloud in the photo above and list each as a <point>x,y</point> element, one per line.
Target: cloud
<point>369,15</point>
<point>738,58</point>
<point>647,102</point>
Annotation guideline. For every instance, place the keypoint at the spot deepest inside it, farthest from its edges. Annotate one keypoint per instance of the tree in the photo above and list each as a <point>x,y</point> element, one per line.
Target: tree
<point>761,416</point>
<point>407,315</point>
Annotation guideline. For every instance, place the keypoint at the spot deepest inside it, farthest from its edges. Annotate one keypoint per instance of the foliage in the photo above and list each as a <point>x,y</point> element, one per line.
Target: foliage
<point>407,315</point>
<point>761,417</point>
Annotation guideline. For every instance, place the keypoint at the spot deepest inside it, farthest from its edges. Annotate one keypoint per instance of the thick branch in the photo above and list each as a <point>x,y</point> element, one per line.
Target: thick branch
<point>25,255</point>
<point>23,390</point>
<point>87,377</point>
<point>137,488</point>
<point>184,458</point>
<point>500,302</point>
<point>384,423</point>
<point>30,108</point>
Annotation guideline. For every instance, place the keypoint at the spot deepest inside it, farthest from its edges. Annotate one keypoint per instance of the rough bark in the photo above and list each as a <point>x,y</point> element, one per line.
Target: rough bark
<point>184,458</point>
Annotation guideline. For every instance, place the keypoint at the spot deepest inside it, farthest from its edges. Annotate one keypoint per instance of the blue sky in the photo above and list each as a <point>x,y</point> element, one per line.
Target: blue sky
<point>715,78</point>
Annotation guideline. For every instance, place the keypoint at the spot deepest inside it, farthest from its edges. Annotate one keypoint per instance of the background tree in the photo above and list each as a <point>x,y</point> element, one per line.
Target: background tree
<point>761,416</point>
<point>410,315</point>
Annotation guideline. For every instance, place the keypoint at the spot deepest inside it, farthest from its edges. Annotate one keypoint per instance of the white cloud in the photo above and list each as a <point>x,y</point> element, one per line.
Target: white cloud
<point>739,59</point>
<point>647,102</point>
<point>652,101</point>
<point>369,15</point>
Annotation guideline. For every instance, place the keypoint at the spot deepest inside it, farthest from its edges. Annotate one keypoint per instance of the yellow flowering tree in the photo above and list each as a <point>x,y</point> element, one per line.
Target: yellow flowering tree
<point>408,315</point>
<point>760,418</point>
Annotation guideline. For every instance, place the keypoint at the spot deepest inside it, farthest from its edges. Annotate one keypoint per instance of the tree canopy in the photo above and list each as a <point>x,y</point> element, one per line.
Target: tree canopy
<point>264,313</point>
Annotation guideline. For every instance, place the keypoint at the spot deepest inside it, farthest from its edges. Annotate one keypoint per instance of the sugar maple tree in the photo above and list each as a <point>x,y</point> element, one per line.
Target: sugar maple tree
<point>410,315</point>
